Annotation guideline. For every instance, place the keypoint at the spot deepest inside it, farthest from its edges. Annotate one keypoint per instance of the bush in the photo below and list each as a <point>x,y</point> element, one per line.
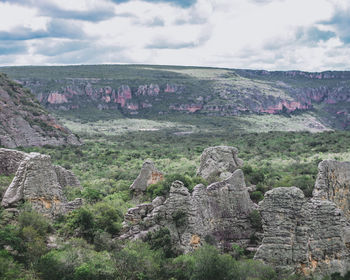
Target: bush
<point>161,240</point>
<point>255,220</point>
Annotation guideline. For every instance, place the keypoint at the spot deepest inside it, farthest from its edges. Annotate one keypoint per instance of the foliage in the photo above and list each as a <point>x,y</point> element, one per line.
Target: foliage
<point>161,240</point>
<point>255,220</point>
<point>162,188</point>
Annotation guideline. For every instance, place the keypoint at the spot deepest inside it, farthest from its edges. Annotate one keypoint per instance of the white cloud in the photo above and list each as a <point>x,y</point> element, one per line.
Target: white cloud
<point>260,34</point>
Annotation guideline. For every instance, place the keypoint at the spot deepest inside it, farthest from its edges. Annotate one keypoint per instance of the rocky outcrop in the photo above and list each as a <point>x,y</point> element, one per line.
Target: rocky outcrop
<point>10,161</point>
<point>40,183</point>
<point>333,184</point>
<point>66,177</point>
<point>149,174</point>
<point>311,236</point>
<point>219,162</point>
<point>148,90</point>
<point>23,122</point>
<point>219,213</point>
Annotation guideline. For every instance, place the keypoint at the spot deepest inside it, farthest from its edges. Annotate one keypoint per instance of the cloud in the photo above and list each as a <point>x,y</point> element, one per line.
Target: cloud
<point>54,47</point>
<point>12,47</point>
<point>181,3</point>
<point>165,44</point>
<point>51,9</point>
<point>55,28</point>
<point>340,21</point>
<point>259,34</point>
<point>314,35</point>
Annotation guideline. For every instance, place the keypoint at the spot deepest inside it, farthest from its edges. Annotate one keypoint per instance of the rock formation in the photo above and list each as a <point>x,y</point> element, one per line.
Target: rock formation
<point>10,161</point>
<point>218,162</point>
<point>23,122</point>
<point>38,182</point>
<point>311,236</point>
<point>149,174</point>
<point>219,212</point>
<point>333,183</point>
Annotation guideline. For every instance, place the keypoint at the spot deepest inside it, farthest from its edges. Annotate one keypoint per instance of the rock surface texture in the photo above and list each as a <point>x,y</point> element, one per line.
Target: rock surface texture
<point>23,122</point>
<point>310,236</point>
<point>219,162</point>
<point>219,212</point>
<point>149,174</point>
<point>41,183</point>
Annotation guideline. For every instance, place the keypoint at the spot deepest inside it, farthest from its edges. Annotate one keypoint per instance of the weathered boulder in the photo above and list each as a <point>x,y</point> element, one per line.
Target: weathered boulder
<point>149,174</point>
<point>10,161</point>
<point>219,212</point>
<point>66,178</point>
<point>333,183</point>
<point>310,236</point>
<point>37,181</point>
<point>219,162</point>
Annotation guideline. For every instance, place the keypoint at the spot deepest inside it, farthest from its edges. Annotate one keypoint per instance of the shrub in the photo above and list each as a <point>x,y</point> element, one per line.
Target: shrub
<point>255,220</point>
<point>161,240</point>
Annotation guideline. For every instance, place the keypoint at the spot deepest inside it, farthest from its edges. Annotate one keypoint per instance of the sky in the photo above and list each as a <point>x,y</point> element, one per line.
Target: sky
<point>308,35</point>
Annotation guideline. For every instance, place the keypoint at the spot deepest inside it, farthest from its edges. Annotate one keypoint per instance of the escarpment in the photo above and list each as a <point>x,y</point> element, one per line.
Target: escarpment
<point>38,182</point>
<point>215,92</point>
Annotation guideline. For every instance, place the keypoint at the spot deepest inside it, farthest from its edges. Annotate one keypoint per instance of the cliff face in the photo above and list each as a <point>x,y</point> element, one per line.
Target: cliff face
<point>220,92</point>
<point>309,235</point>
<point>23,122</point>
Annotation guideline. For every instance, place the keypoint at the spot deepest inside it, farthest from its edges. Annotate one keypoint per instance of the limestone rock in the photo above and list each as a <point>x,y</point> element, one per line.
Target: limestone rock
<point>10,160</point>
<point>333,183</point>
<point>38,182</point>
<point>219,161</point>
<point>219,212</point>
<point>23,122</point>
<point>66,177</point>
<point>148,175</point>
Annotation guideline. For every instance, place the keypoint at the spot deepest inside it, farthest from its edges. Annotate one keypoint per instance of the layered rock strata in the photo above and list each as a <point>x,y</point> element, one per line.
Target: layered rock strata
<point>219,212</point>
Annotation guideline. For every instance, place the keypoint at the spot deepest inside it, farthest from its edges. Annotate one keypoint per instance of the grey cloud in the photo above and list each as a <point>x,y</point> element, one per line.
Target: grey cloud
<point>314,35</point>
<point>12,47</point>
<point>53,48</point>
<point>341,22</point>
<point>56,29</point>
<point>181,3</point>
<point>154,22</point>
<point>170,45</point>
<point>52,10</point>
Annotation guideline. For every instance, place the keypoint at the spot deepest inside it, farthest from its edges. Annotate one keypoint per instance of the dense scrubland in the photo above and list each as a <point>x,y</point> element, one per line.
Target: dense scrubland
<point>84,243</point>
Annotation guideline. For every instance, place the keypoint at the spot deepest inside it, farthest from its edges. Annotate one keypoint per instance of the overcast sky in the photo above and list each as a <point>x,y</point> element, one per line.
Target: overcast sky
<point>311,35</point>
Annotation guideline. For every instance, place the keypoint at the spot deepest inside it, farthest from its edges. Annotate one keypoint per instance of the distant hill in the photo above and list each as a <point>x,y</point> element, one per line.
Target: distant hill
<point>24,122</point>
<point>157,90</point>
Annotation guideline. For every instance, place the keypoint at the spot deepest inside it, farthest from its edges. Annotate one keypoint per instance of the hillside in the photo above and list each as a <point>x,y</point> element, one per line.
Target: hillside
<point>24,122</point>
<point>152,91</point>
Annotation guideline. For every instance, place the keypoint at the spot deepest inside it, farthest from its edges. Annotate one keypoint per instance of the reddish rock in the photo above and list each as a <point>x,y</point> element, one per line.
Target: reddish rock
<point>148,90</point>
<point>291,106</point>
<point>57,98</point>
<point>124,93</point>
<point>186,107</point>
<point>132,106</point>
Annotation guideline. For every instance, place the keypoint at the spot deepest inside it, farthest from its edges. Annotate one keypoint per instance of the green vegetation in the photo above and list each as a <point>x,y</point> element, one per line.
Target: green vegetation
<point>109,161</point>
